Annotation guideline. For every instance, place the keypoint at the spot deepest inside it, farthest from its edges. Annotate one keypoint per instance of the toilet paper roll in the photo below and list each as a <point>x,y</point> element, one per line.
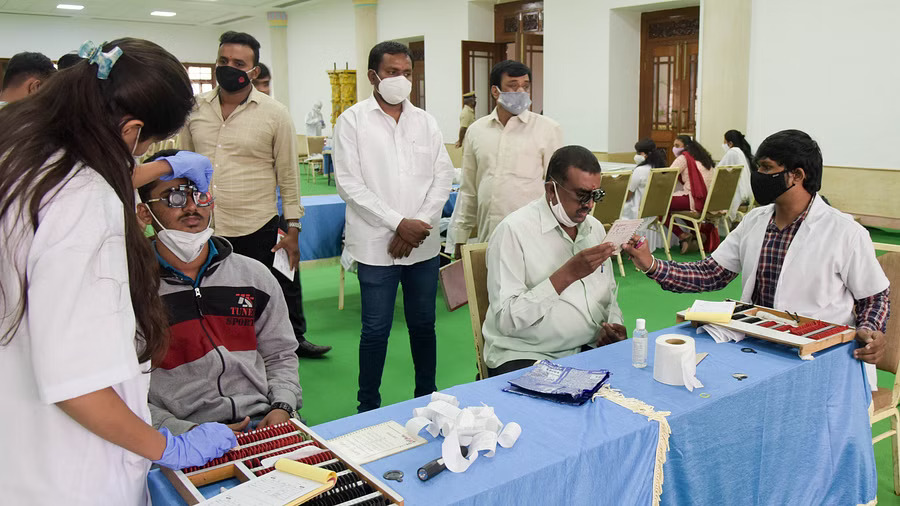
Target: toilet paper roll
<point>675,361</point>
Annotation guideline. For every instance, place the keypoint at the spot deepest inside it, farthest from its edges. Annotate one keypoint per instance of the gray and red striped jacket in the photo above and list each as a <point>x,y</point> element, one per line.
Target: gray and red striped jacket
<point>232,349</point>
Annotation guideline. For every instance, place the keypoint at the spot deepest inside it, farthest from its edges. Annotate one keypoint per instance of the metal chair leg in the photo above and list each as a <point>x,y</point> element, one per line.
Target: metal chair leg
<point>621,266</point>
<point>895,450</point>
<point>341,290</point>
<point>696,225</point>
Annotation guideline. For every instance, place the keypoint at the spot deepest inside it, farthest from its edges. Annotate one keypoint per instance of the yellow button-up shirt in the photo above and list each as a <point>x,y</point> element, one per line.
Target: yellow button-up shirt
<point>466,117</point>
<point>503,169</point>
<point>252,152</point>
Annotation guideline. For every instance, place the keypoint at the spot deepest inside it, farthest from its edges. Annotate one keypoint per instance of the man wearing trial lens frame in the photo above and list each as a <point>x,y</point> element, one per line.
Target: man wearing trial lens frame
<point>213,295</point>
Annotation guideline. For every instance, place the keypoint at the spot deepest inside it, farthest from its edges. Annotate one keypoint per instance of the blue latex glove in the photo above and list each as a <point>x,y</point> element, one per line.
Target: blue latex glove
<point>196,446</point>
<point>190,165</point>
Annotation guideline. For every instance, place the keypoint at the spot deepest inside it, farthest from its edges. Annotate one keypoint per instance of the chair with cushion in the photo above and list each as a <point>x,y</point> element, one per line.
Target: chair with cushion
<point>719,196</point>
<point>314,146</point>
<point>657,197</point>
<point>474,259</point>
<point>885,400</point>
<point>608,210</point>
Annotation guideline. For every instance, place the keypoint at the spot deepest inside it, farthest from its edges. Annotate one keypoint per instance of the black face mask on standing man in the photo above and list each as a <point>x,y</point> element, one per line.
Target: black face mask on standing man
<point>231,79</point>
<point>768,187</point>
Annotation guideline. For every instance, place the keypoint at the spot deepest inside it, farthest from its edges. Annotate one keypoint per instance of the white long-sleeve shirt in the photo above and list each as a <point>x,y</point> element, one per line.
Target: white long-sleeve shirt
<point>734,156</point>
<point>386,171</point>
<point>526,318</point>
<point>503,169</point>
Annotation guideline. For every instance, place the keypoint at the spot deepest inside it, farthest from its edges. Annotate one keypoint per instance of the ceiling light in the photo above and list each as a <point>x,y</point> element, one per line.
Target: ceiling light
<point>165,14</point>
<point>70,7</point>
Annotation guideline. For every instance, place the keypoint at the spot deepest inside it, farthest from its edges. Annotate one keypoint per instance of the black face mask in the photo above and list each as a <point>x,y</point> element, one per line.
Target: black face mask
<point>768,187</point>
<point>231,79</point>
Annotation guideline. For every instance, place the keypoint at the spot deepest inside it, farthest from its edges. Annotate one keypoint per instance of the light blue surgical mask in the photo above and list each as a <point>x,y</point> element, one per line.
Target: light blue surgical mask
<point>515,102</point>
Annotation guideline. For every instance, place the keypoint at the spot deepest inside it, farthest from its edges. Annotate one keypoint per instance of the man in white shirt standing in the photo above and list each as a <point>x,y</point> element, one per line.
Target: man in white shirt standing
<point>393,171</point>
<point>550,283</point>
<point>505,156</point>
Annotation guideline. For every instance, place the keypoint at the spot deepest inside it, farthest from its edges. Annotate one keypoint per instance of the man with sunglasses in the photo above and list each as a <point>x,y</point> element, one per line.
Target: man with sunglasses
<point>231,355</point>
<point>549,294</point>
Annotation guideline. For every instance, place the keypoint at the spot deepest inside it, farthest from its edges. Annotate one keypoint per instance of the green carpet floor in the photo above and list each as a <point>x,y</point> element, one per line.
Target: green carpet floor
<point>329,384</point>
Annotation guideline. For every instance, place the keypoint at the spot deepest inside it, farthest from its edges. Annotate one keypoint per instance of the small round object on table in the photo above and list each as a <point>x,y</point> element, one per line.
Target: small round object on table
<point>393,475</point>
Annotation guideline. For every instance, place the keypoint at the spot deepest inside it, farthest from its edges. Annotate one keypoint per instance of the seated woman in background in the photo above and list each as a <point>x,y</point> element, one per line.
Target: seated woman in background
<point>737,152</point>
<point>695,174</point>
<point>647,157</point>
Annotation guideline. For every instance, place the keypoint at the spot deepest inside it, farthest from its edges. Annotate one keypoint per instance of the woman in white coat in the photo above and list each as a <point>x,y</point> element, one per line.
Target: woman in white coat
<point>81,320</point>
<point>794,252</point>
<point>738,152</point>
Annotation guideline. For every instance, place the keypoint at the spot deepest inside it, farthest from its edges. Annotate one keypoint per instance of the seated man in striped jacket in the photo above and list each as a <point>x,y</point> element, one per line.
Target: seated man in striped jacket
<point>231,356</point>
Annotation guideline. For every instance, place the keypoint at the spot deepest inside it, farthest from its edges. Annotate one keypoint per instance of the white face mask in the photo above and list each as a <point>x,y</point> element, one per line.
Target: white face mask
<point>137,140</point>
<point>187,246</point>
<point>639,159</point>
<point>558,211</point>
<point>515,102</point>
<point>676,151</point>
<point>725,147</point>
<point>394,89</point>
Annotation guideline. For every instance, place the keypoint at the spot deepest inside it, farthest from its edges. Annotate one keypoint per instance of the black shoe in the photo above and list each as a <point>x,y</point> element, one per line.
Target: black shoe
<point>310,350</point>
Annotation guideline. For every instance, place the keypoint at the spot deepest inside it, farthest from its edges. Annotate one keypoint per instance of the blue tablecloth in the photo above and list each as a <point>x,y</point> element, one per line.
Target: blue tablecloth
<point>449,205</point>
<point>793,432</point>
<point>323,227</point>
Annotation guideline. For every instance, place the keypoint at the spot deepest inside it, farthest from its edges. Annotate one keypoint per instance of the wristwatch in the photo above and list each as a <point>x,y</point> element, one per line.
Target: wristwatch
<point>284,406</point>
<point>295,224</point>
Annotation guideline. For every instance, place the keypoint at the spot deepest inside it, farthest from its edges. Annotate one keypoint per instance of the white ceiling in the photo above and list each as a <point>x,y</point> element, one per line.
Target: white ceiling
<point>189,12</point>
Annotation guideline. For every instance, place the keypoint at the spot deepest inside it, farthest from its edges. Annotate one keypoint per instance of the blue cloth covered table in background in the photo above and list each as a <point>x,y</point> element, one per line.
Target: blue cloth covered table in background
<point>793,432</point>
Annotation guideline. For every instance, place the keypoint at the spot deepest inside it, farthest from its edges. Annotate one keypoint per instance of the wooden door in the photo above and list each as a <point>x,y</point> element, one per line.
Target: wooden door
<point>477,60</point>
<point>417,95</point>
<point>533,47</point>
<point>669,57</point>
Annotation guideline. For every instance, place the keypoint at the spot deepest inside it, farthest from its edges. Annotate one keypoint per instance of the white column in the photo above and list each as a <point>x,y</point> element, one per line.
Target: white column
<point>364,14</point>
<point>724,71</point>
<point>279,64</point>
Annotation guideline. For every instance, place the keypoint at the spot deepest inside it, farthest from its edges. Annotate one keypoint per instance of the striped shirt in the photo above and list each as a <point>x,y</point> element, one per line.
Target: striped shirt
<point>707,275</point>
<point>252,152</point>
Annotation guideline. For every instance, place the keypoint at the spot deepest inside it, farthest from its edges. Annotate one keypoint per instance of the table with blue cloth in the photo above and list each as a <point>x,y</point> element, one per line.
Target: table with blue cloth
<point>792,432</point>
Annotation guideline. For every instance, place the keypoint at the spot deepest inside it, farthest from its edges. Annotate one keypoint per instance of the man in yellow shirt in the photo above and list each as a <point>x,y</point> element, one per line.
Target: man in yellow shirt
<point>250,139</point>
<point>466,116</point>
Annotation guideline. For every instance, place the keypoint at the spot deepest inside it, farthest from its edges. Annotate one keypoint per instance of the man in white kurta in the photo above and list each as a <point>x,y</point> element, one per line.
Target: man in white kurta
<point>550,285</point>
<point>393,171</point>
<point>505,157</point>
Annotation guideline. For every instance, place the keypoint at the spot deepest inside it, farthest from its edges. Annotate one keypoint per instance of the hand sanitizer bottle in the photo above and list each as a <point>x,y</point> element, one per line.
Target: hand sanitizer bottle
<point>639,344</point>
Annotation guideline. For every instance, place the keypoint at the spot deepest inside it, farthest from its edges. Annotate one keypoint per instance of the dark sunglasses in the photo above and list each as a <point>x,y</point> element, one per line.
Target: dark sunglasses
<point>583,196</point>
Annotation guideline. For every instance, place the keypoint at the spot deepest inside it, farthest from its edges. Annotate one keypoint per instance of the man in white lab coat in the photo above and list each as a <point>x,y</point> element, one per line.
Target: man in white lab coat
<point>794,252</point>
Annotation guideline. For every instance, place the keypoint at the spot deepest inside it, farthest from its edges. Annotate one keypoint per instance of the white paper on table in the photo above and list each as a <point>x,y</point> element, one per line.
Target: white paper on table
<point>282,261</point>
<point>706,306</point>
<point>621,232</point>
<point>275,488</point>
<point>372,443</point>
<point>476,427</point>
<point>721,334</point>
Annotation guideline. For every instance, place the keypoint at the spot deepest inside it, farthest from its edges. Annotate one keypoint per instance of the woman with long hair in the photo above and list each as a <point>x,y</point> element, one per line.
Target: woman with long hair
<point>646,157</point>
<point>738,152</point>
<point>81,320</point>
<point>695,166</point>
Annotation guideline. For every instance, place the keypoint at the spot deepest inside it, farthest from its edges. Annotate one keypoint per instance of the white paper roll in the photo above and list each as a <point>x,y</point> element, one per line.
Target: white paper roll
<point>675,361</point>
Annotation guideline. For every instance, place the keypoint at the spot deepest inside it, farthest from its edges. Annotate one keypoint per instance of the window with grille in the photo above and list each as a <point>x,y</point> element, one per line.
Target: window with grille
<point>202,76</point>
